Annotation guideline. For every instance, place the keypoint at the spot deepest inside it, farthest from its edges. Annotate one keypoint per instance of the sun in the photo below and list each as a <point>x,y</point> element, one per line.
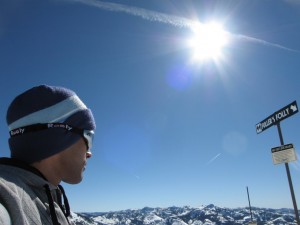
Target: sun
<point>208,41</point>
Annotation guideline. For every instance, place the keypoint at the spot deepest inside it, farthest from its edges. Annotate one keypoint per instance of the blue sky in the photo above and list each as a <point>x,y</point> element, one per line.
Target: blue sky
<point>170,131</point>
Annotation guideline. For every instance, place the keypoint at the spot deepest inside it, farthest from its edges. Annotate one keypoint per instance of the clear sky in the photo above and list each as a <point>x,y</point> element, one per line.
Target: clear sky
<point>172,129</point>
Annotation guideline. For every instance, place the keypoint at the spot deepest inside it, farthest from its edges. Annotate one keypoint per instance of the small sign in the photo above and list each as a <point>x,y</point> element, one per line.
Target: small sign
<point>283,154</point>
<point>276,117</point>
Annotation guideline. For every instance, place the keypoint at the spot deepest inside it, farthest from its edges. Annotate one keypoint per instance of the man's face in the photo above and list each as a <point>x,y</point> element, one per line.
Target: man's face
<point>73,161</point>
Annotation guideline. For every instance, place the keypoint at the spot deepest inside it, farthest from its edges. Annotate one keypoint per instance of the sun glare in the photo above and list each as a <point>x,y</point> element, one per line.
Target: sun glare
<point>208,41</point>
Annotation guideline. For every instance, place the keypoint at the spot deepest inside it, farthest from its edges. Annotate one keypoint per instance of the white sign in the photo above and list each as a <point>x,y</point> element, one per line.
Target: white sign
<point>284,154</point>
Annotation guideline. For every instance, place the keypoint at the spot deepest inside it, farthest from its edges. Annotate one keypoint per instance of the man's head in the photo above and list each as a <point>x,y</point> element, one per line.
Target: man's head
<point>46,120</point>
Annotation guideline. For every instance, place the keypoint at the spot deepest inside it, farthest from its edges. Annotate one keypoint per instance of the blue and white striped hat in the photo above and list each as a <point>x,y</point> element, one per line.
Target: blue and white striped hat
<point>46,104</point>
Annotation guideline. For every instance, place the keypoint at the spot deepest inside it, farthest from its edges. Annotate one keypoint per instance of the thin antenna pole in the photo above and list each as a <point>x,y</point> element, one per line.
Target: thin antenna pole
<point>249,204</point>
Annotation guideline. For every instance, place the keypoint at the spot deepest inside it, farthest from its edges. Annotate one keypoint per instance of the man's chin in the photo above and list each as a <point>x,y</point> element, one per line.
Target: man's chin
<point>73,181</point>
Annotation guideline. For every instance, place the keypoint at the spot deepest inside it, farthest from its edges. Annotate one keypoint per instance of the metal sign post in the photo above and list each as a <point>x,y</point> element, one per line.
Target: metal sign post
<point>275,119</point>
<point>289,178</point>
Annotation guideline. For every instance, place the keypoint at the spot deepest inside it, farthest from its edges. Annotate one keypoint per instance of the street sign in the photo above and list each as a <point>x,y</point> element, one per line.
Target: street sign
<point>283,154</point>
<point>276,117</point>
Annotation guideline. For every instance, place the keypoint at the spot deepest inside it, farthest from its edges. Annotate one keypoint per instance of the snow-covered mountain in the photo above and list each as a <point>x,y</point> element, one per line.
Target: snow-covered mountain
<point>206,215</point>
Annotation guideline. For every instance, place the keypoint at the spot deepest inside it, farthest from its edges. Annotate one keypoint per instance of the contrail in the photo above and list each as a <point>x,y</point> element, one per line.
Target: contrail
<point>296,164</point>
<point>213,159</point>
<point>167,19</point>
<point>259,41</point>
<point>139,12</point>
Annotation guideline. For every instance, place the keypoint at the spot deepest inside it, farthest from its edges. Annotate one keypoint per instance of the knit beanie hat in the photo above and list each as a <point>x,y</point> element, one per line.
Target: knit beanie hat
<point>46,104</point>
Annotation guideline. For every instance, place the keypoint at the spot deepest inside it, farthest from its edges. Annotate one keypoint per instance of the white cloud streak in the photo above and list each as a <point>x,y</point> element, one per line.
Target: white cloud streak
<point>139,12</point>
<point>213,159</point>
<point>259,41</point>
<point>296,164</point>
<point>168,19</point>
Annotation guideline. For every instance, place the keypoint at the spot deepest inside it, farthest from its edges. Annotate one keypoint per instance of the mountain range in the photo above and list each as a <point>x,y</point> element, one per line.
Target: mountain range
<point>204,215</point>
